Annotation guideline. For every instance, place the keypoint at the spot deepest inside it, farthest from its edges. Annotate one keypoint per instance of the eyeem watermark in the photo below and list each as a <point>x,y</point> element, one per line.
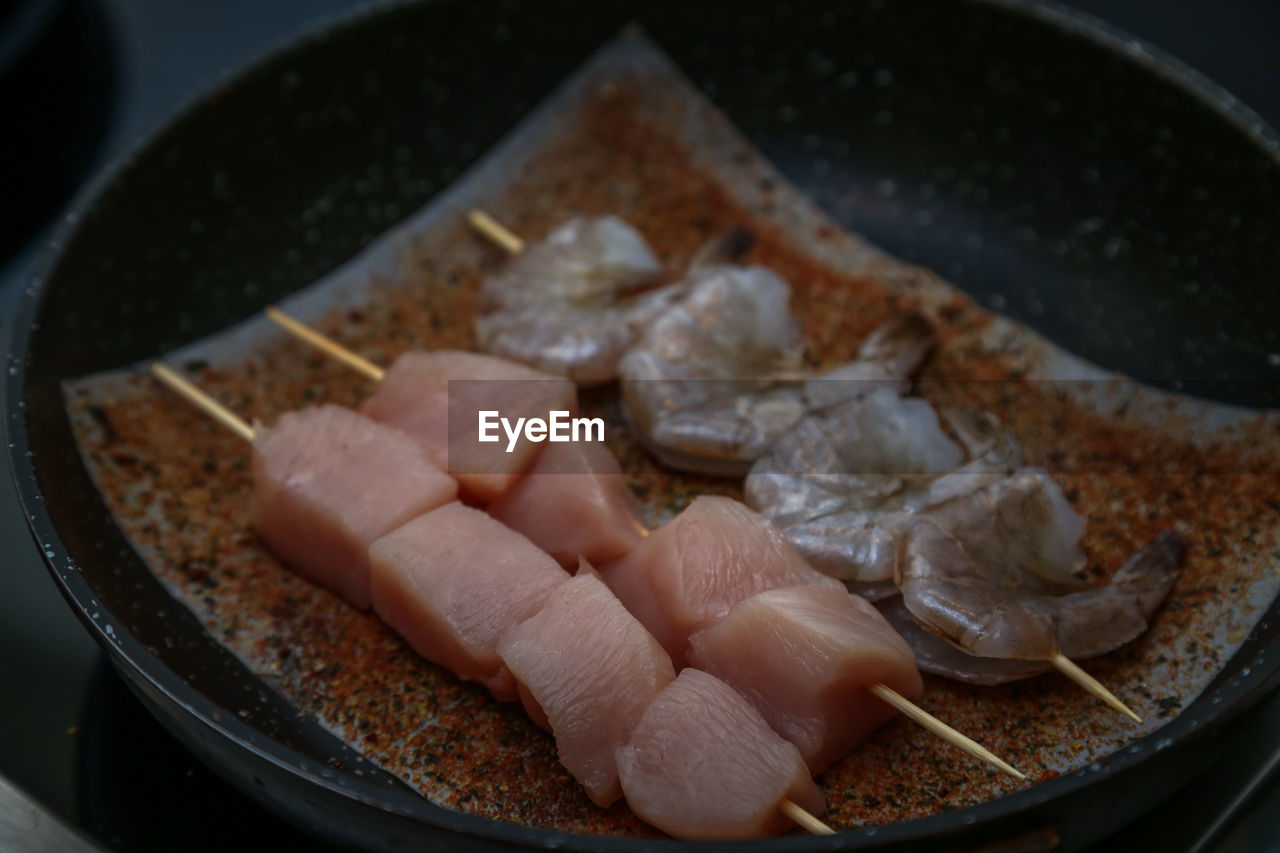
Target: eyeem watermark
<point>558,426</point>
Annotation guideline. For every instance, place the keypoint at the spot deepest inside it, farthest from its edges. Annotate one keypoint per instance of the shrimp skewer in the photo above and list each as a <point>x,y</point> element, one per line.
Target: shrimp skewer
<point>846,482</point>
<point>986,553</point>
<point>995,573</point>
<point>718,378</point>
<point>714,374</point>
<point>575,302</point>
<point>939,656</point>
<point>571,304</point>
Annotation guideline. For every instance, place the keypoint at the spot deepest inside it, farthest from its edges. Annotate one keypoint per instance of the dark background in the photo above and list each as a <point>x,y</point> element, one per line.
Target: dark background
<point>81,81</point>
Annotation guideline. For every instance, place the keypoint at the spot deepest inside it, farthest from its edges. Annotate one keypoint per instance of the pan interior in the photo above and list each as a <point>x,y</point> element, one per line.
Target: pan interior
<point>1057,181</point>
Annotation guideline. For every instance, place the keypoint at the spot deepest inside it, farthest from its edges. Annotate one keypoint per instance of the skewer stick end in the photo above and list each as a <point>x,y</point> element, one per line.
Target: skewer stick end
<point>325,344</point>
<point>495,231</point>
<point>944,731</point>
<point>804,818</point>
<point>229,419</point>
<point>1069,668</point>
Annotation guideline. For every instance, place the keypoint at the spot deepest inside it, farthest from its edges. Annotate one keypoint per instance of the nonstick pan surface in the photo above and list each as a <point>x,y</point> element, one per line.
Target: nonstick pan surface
<point>1059,172</point>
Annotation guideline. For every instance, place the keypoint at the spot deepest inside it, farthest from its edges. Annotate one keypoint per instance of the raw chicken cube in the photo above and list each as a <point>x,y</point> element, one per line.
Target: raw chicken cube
<point>804,656</point>
<point>436,397</point>
<point>687,574</point>
<point>588,669</point>
<point>702,763</point>
<point>328,482</point>
<point>574,503</point>
<point>453,582</point>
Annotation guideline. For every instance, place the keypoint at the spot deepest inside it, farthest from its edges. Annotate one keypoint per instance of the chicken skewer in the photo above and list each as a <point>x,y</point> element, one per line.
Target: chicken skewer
<point>677,591</point>
<point>384,549</point>
<point>335,507</point>
<point>416,395</point>
<point>591,673</point>
<point>572,500</point>
<point>396,536</point>
<point>328,483</point>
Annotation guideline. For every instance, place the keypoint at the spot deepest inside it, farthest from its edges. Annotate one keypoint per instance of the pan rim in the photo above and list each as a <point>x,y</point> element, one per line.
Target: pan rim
<point>1235,695</point>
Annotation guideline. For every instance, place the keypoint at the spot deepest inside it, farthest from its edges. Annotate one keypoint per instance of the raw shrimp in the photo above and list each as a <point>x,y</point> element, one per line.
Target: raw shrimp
<point>572,304</point>
<point>998,574</point>
<point>847,481</point>
<point>936,655</point>
<point>719,376</point>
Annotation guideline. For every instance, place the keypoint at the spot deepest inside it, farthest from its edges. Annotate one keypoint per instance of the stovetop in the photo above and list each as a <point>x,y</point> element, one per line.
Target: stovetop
<point>73,739</point>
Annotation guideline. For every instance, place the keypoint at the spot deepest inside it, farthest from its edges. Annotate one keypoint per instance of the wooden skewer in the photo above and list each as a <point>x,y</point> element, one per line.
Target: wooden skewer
<point>326,344</point>
<point>203,401</point>
<point>495,231</point>
<point>1068,668</point>
<point>942,730</point>
<point>236,424</point>
<point>804,819</point>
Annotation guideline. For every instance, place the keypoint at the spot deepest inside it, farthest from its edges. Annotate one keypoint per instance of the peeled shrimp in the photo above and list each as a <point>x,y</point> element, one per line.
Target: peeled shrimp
<point>998,574</point>
<point>847,481</point>
<point>936,655</point>
<point>573,303</point>
<point>719,376</point>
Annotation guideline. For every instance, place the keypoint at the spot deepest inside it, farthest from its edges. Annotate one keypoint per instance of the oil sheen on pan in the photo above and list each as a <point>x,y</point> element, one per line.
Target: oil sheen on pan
<point>629,135</point>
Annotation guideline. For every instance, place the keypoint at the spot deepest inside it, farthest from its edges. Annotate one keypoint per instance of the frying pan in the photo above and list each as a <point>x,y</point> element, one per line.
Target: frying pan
<point>1077,180</point>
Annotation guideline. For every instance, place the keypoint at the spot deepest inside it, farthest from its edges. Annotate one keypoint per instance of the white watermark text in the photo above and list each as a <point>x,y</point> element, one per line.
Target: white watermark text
<point>558,426</point>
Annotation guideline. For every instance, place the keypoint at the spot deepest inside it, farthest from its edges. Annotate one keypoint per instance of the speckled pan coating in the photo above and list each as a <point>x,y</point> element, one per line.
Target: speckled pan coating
<point>630,137</point>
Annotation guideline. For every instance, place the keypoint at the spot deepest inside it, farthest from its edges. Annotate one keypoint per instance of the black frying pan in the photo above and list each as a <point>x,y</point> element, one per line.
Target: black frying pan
<point>1110,198</point>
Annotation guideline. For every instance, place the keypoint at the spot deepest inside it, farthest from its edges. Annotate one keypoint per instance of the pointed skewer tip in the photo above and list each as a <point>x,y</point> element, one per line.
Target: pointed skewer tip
<point>944,731</point>
<point>1071,670</point>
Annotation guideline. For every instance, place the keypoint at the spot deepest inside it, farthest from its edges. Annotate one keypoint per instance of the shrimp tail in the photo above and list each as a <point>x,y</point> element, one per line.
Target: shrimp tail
<point>727,247</point>
<point>901,343</point>
<point>1150,573</point>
